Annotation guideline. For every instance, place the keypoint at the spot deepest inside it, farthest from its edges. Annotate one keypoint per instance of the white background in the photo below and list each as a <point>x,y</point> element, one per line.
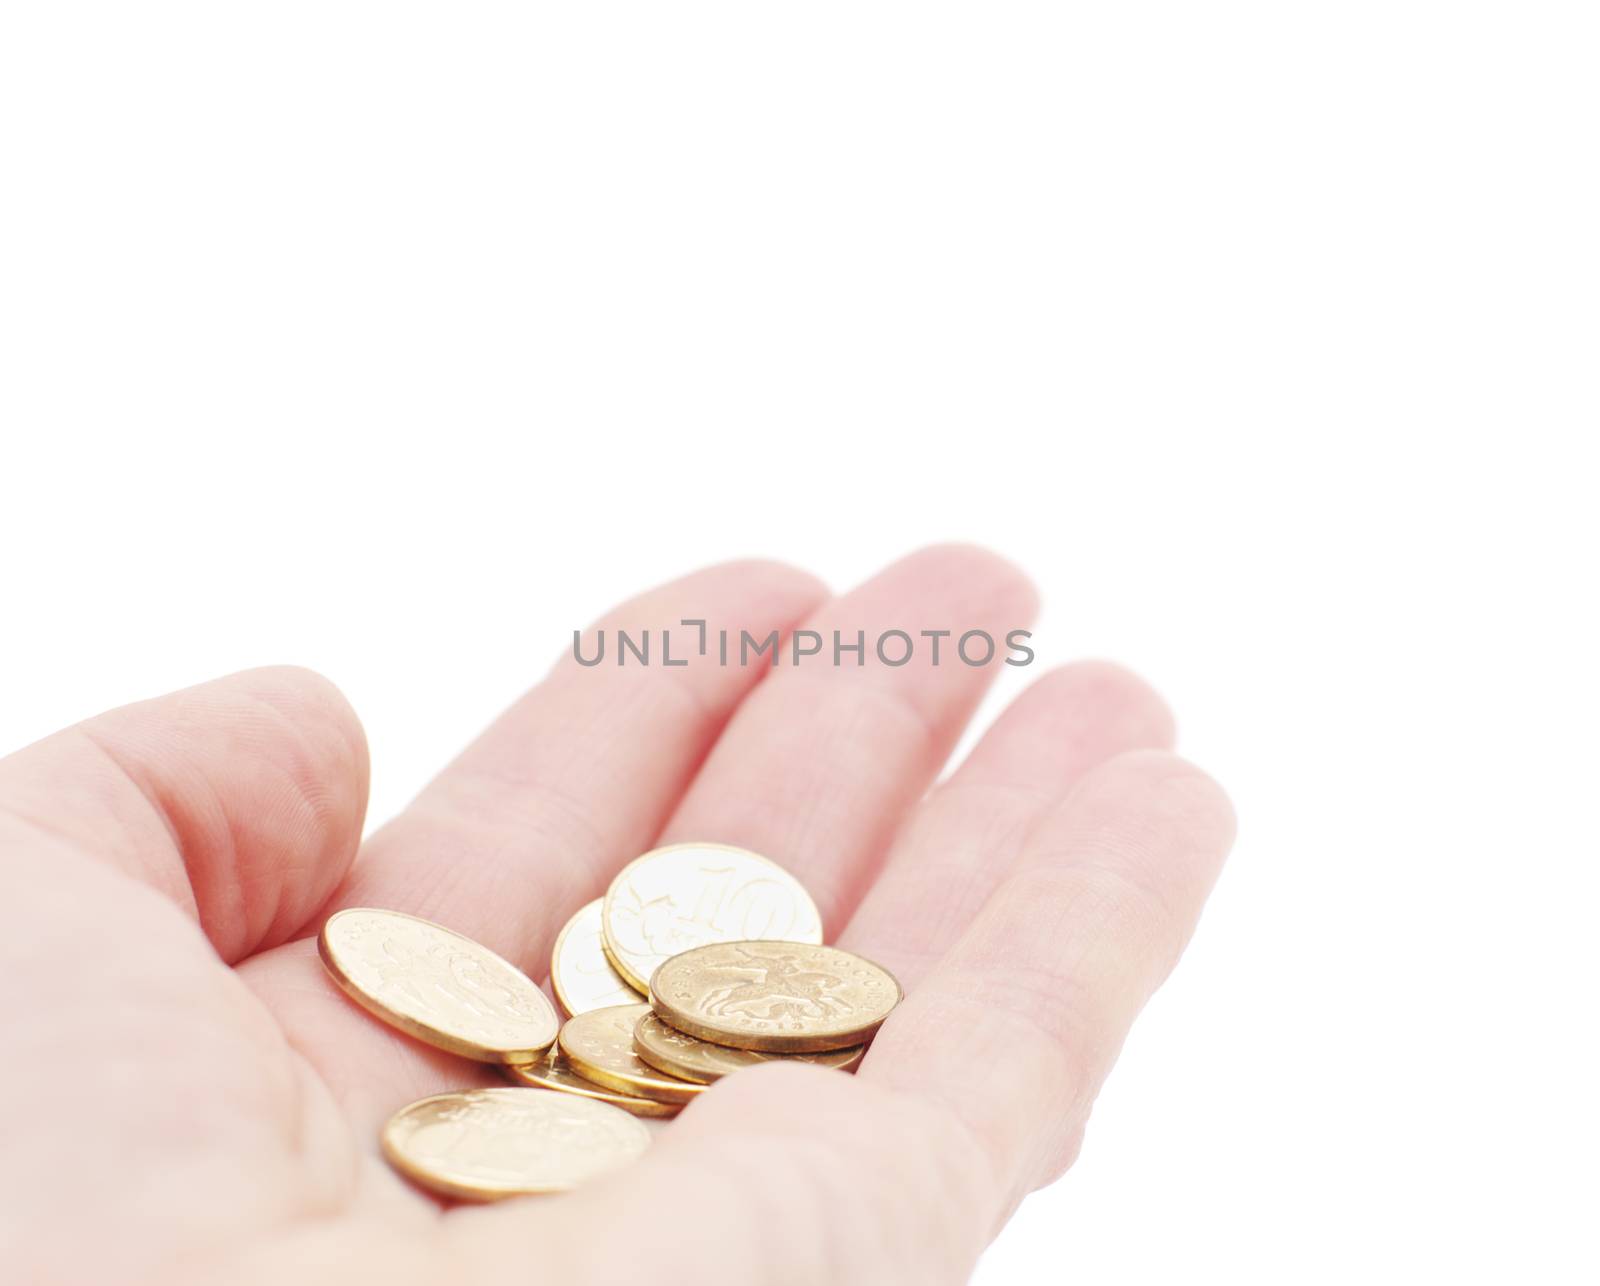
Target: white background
<point>397,340</point>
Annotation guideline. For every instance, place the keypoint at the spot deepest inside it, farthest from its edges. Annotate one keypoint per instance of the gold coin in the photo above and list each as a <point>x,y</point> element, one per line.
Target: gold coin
<point>686,895</point>
<point>438,986</point>
<point>599,1046</point>
<point>581,972</point>
<point>671,1051</point>
<point>778,997</point>
<point>486,1144</point>
<point>552,1072</point>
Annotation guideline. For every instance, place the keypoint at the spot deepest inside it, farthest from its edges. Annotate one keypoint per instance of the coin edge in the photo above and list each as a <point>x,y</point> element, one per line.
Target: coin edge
<point>414,1028</point>
<point>555,954</point>
<point>617,1081</point>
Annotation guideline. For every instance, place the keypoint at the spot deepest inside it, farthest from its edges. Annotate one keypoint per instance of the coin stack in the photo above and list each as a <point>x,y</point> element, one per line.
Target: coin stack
<point>700,960</point>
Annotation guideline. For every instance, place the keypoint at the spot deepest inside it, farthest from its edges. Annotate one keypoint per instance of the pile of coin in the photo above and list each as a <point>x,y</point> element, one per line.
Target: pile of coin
<point>699,961</point>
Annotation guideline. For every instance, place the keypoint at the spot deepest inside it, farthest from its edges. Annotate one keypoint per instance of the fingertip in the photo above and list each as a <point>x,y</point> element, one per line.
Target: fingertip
<point>1166,790</point>
<point>1131,714</point>
<point>771,573</point>
<point>1064,723</point>
<point>991,584</point>
<point>767,578</point>
<point>289,773</point>
<point>756,590</point>
<point>316,706</point>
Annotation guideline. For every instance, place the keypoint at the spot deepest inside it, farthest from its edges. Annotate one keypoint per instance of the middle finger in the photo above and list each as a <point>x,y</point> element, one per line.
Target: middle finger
<point>818,765</point>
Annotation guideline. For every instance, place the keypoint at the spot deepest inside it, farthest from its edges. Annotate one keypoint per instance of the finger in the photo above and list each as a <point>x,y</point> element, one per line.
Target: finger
<point>240,799</point>
<point>1014,1031</point>
<point>820,763</point>
<point>146,842</point>
<point>959,843</point>
<point>577,777</point>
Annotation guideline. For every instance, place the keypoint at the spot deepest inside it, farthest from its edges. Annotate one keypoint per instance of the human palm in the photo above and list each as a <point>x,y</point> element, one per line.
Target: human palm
<point>190,1098</point>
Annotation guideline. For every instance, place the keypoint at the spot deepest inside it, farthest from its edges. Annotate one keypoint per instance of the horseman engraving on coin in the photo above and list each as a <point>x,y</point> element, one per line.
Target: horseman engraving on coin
<point>778,997</point>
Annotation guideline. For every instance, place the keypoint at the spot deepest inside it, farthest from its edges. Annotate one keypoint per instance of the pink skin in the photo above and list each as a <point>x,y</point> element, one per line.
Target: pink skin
<point>189,1098</point>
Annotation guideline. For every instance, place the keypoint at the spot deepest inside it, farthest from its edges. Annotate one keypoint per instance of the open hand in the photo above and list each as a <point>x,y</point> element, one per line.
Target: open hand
<point>190,1098</point>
